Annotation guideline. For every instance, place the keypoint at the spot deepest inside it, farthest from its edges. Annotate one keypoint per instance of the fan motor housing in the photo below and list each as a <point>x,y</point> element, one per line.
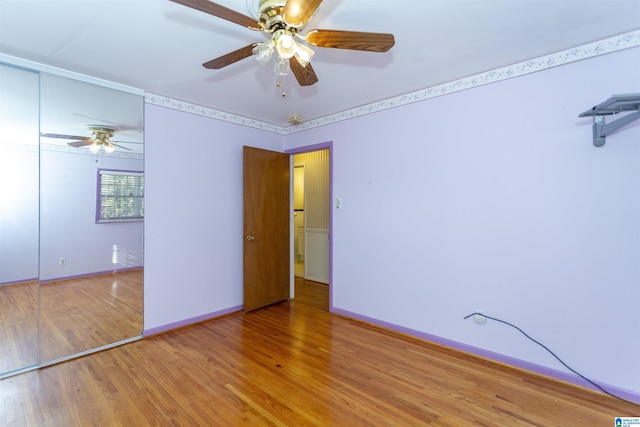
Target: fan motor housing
<point>270,13</point>
<point>269,6</point>
<point>102,134</point>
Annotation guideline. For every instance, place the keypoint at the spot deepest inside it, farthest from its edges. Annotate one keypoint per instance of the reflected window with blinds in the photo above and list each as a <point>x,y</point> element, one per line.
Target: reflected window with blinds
<point>120,196</point>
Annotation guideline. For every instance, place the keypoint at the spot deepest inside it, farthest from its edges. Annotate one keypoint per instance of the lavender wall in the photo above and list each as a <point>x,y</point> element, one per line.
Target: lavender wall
<point>494,198</point>
<point>193,223</point>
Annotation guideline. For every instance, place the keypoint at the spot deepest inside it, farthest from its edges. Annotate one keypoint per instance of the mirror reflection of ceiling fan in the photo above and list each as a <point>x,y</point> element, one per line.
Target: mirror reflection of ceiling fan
<point>283,20</point>
<point>101,138</point>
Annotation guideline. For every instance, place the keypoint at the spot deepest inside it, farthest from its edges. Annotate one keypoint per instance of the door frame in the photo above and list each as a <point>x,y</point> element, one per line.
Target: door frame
<point>308,149</point>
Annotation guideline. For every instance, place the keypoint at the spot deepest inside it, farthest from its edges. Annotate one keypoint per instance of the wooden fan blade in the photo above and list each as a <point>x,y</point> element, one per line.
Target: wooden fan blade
<point>230,58</point>
<point>305,75</point>
<point>220,11</point>
<point>120,146</point>
<point>57,135</point>
<point>296,13</point>
<point>80,143</point>
<point>371,42</point>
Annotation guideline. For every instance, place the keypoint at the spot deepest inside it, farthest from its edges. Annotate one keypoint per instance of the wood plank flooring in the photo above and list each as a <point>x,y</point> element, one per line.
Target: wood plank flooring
<point>312,293</point>
<point>294,364</point>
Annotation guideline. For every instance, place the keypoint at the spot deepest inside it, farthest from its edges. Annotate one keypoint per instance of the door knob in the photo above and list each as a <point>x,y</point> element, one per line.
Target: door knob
<point>250,237</point>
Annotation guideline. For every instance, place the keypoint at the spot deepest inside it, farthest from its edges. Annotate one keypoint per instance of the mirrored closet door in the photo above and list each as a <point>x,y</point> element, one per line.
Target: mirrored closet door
<point>91,211</point>
<point>19,200</point>
<point>71,229</point>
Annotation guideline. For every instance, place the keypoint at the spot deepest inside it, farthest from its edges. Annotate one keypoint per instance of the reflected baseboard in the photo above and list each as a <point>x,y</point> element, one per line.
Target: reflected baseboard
<point>19,282</point>
<point>87,275</point>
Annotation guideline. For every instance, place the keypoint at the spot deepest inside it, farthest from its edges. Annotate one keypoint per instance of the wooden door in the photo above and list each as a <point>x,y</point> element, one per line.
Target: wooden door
<point>266,227</point>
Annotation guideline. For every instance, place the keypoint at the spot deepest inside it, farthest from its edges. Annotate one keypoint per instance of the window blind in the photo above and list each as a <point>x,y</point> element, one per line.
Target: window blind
<point>120,196</point>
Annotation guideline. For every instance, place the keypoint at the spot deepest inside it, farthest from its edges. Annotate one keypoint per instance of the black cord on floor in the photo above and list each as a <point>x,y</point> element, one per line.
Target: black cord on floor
<point>554,355</point>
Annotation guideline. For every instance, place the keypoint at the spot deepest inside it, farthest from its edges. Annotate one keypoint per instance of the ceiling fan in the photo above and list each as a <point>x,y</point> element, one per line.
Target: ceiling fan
<point>101,139</point>
<point>283,20</point>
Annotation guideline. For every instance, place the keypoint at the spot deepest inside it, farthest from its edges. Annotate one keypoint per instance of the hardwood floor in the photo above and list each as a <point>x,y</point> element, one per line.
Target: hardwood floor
<point>293,364</point>
<point>312,293</point>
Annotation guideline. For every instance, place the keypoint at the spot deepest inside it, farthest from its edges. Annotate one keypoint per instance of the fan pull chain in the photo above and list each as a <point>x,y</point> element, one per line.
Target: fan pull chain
<point>280,84</point>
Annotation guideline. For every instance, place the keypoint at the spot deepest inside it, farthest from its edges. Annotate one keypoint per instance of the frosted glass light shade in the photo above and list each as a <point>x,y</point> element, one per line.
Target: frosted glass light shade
<point>304,54</point>
<point>282,66</point>
<point>263,52</point>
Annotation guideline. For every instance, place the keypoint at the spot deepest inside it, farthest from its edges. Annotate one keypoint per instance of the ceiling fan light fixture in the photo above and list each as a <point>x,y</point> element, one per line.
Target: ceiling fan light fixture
<point>283,20</point>
<point>109,148</point>
<point>285,45</point>
<point>263,51</point>
<point>304,54</point>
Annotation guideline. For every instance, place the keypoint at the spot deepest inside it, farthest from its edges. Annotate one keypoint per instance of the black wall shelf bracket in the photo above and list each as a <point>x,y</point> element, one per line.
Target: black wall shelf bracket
<point>614,105</point>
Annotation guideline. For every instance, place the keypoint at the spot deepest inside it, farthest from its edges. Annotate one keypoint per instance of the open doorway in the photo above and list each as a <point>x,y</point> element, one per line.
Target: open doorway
<point>311,220</point>
<point>311,215</point>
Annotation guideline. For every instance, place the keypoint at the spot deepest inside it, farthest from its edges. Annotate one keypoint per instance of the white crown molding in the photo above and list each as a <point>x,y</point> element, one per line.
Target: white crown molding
<point>590,50</point>
<point>35,66</point>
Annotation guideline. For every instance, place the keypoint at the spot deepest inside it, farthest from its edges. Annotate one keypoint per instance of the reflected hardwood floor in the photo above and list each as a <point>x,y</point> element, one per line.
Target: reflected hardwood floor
<point>18,319</point>
<point>293,364</point>
<point>89,312</point>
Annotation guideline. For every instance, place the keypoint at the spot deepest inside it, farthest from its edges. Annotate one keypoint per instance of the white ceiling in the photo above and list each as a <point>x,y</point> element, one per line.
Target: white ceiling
<point>158,46</point>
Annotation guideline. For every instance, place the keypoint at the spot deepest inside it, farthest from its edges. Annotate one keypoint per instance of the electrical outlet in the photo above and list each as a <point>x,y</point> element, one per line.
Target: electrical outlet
<point>479,317</point>
<point>63,261</point>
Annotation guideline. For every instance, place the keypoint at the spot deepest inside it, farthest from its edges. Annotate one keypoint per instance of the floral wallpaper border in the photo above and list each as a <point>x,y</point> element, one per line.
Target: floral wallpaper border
<point>590,50</point>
